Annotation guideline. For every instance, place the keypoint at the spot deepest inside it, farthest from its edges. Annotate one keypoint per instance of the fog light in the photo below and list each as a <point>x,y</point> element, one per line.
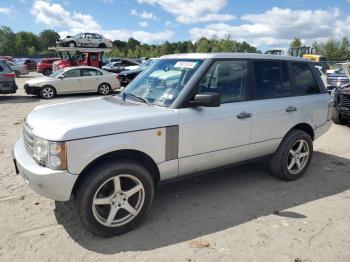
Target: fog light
<point>55,161</point>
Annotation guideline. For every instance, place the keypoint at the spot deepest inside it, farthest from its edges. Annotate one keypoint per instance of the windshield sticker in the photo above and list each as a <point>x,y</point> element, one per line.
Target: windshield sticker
<point>168,96</point>
<point>185,64</point>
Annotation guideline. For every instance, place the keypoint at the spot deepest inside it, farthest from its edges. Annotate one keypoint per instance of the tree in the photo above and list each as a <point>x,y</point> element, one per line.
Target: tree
<point>295,43</point>
<point>48,38</point>
<point>7,41</point>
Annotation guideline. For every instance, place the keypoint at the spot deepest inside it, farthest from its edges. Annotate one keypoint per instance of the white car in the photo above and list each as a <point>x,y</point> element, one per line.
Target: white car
<point>76,79</point>
<point>86,40</point>
<point>188,113</point>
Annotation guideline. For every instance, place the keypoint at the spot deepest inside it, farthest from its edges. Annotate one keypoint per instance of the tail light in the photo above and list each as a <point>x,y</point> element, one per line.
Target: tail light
<point>11,75</point>
<point>117,76</point>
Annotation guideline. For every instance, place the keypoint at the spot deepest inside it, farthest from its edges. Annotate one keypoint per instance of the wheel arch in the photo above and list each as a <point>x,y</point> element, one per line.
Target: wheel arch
<point>131,154</point>
<point>306,128</point>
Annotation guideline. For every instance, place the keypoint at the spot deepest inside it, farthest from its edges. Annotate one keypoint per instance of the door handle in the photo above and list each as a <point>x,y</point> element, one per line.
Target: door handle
<point>291,109</point>
<point>244,115</point>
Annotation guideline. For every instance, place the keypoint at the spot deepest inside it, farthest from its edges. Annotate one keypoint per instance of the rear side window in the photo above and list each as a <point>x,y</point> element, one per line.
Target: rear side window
<point>305,83</point>
<point>90,72</point>
<point>271,80</point>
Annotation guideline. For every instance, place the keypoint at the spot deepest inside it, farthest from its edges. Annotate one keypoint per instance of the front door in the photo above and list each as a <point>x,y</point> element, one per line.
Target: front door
<point>71,83</point>
<point>219,136</point>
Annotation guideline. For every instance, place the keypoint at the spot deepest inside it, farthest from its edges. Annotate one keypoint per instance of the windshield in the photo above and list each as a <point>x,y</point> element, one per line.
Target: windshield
<point>163,81</point>
<point>57,73</point>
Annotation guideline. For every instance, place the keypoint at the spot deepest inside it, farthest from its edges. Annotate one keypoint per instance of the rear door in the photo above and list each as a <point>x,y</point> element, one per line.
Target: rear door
<point>71,83</point>
<point>91,79</point>
<point>275,110</point>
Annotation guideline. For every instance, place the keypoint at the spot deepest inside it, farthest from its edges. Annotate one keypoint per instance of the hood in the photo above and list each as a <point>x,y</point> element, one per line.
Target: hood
<point>96,117</point>
<point>39,80</point>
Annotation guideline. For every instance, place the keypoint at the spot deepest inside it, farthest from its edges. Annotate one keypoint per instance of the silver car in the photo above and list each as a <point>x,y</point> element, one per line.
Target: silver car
<point>86,40</point>
<point>19,69</point>
<point>187,113</point>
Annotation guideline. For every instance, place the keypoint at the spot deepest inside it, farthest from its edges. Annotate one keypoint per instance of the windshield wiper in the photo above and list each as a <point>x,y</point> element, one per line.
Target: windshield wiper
<point>144,100</point>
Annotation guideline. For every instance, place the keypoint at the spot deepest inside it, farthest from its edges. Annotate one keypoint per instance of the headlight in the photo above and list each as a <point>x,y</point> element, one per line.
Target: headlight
<point>50,154</point>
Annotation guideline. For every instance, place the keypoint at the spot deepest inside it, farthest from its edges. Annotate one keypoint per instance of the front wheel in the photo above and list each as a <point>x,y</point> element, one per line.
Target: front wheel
<point>104,89</point>
<point>47,92</point>
<point>114,197</point>
<point>337,118</point>
<point>293,156</point>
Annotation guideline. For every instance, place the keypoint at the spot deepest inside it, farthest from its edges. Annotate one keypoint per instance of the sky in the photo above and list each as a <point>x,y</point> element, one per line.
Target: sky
<point>265,24</point>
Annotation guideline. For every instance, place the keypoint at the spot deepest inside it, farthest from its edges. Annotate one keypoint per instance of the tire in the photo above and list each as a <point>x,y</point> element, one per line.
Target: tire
<point>72,44</point>
<point>338,118</point>
<point>47,92</point>
<point>17,74</point>
<point>47,72</point>
<point>104,89</point>
<point>98,183</point>
<point>102,46</point>
<point>281,163</point>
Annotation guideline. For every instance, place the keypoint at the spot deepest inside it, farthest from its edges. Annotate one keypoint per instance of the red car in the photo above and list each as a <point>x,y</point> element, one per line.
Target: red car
<point>79,59</point>
<point>45,66</point>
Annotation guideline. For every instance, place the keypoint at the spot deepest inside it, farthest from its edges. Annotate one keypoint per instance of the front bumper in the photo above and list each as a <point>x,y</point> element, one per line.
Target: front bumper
<point>53,184</point>
<point>32,90</point>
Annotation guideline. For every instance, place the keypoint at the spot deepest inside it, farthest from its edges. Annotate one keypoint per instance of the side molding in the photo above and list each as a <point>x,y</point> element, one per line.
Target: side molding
<point>171,142</point>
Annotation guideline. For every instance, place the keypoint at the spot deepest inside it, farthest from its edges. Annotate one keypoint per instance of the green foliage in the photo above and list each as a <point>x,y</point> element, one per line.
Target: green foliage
<point>295,43</point>
<point>334,50</point>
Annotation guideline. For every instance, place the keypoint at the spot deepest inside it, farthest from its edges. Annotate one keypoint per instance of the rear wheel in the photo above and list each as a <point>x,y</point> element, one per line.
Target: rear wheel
<point>47,92</point>
<point>47,72</point>
<point>337,118</point>
<point>72,44</point>
<point>115,197</point>
<point>104,89</point>
<point>293,156</point>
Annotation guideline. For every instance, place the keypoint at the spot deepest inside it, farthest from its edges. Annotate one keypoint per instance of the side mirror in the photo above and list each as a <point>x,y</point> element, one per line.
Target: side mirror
<point>208,99</point>
<point>61,77</point>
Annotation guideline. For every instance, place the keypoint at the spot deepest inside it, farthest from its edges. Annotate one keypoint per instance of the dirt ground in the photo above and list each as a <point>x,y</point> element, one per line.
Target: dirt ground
<point>241,214</point>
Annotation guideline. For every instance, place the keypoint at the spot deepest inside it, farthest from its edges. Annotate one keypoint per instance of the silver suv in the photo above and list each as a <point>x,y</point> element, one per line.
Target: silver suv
<point>7,79</point>
<point>187,113</point>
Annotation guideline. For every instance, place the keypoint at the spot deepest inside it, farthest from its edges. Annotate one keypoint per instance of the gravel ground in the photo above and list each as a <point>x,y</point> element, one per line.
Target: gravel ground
<point>241,214</point>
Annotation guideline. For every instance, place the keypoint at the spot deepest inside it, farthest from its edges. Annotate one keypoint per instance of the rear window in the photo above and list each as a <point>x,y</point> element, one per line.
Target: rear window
<point>305,83</point>
<point>271,80</point>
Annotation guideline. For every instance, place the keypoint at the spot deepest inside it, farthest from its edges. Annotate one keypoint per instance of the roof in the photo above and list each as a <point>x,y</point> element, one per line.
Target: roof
<point>233,55</point>
<point>80,49</point>
<point>80,67</point>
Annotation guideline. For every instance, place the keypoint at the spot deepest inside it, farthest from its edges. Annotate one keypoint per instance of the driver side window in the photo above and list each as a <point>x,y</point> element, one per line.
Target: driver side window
<point>228,79</point>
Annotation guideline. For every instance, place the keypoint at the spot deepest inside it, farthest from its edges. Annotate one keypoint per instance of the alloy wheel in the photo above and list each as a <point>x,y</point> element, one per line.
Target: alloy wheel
<point>104,89</point>
<point>298,156</point>
<point>118,200</point>
<point>48,92</point>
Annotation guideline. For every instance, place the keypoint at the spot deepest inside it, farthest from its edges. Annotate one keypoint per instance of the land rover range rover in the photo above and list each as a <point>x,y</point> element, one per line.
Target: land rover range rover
<point>188,113</point>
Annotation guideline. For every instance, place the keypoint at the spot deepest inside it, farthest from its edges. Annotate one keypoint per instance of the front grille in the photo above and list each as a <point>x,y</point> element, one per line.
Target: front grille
<point>345,100</point>
<point>28,140</point>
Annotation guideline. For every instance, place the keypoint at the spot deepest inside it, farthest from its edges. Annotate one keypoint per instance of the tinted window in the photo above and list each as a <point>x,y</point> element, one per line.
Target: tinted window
<point>72,73</point>
<point>271,80</point>
<point>90,72</point>
<point>304,80</point>
<point>1,68</point>
<point>228,78</point>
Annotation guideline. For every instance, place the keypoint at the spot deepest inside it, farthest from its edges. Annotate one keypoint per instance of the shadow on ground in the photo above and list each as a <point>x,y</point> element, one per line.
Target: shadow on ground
<point>203,205</point>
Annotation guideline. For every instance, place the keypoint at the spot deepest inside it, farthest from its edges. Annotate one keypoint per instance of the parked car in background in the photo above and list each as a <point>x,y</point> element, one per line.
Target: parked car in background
<point>188,113</point>
<point>19,69</point>
<point>79,79</point>
<point>7,58</point>
<point>30,63</point>
<point>341,105</point>
<point>78,59</point>
<point>7,79</point>
<point>45,65</point>
<point>127,76</point>
<point>86,40</point>
<point>337,79</point>
<point>117,67</point>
